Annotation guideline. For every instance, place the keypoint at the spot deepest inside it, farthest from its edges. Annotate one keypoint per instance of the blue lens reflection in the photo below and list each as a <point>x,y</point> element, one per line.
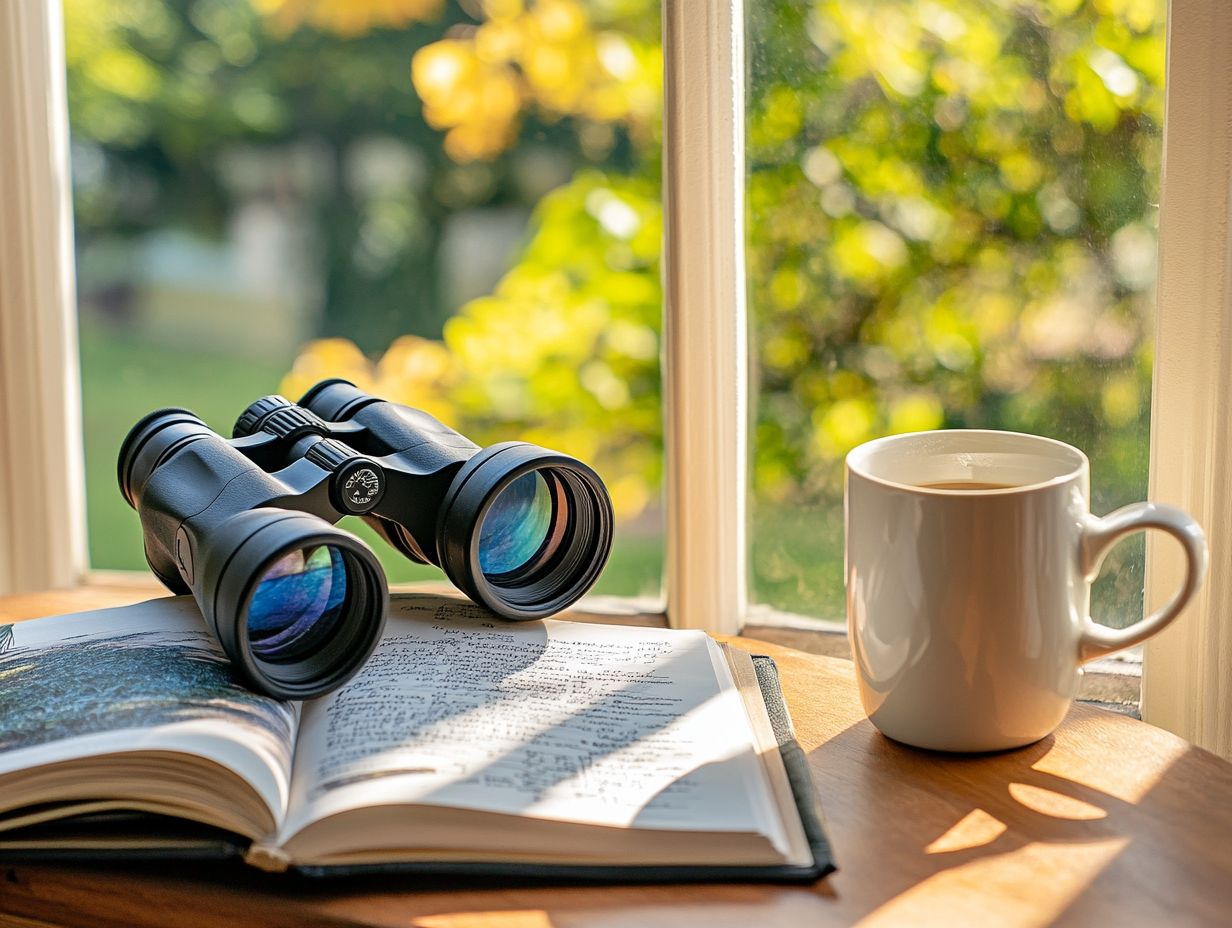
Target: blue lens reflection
<point>516,525</point>
<point>298,601</point>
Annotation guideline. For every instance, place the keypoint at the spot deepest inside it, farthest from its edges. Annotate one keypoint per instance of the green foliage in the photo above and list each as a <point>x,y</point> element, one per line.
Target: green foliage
<point>951,222</point>
<point>170,98</point>
<point>565,351</point>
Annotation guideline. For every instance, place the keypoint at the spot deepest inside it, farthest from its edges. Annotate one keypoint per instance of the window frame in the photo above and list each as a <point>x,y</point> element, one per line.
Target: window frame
<point>705,353</point>
<point>1183,689</point>
<point>1184,674</point>
<point>42,463</point>
<point>705,329</point>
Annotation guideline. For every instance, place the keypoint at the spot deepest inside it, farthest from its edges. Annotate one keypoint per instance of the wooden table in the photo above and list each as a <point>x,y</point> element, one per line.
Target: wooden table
<point>1109,822</point>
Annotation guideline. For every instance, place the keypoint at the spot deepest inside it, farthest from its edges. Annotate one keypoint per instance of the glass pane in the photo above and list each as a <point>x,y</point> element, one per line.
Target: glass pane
<point>454,205</point>
<point>952,222</point>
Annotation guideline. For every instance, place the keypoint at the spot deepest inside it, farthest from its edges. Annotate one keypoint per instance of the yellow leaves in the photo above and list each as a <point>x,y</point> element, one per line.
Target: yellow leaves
<point>476,101</point>
<point>1063,8</point>
<point>617,217</point>
<point>325,358</point>
<point>881,40</point>
<point>602,383</point>
<point>346,18</point>
<point>843,425</point>
<point>419,372</point>
<point>559,21</point>
<point>503,9</point>
<point>522,328</point>
<point>630,494</point>
<point>548,54</point>
<point>123,72</point>
<point>1118,77</point>
<point>1120,400</point>
<point>440,69</point>
<point>917,412</point>
<point>1138,15</point>
<point>92,26</point>
<point>779,118</point>
<point>787,288</point>
<point>867,252</point>
<point>499,42</point>
<point>95,45</point>
<point>413,371</point>
<point>1021,172</point>
<point>1098,84</point>
<point>636,342</point>
<point>564,353</point>
<point>876,172</point>
<point>786,353</point>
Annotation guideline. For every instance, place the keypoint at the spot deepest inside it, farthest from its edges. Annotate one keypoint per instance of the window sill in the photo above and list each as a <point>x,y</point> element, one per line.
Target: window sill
<point>1112,683</point>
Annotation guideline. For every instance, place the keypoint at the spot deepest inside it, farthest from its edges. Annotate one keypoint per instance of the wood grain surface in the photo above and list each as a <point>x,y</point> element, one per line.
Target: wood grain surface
<point>1107,822</point>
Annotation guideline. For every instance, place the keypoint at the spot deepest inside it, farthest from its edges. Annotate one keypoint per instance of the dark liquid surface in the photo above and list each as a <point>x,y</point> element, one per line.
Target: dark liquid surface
<point>966,485</point>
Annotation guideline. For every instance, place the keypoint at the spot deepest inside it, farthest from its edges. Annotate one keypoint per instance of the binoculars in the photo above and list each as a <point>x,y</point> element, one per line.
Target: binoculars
<point>247,525</point>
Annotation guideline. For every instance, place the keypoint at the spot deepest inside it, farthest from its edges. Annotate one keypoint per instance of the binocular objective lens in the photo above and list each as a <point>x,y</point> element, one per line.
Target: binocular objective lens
<point>297,603</point>
<point>523,530</point>
<point>517,527</point>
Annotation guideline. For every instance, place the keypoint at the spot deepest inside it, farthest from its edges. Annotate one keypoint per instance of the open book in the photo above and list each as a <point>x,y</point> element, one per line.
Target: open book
<point>466,745</point>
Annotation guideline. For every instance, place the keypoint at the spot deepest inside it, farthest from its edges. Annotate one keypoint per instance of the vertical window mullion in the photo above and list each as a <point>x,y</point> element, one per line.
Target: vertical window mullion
<point>42,495</point>
<point>705,353</point>
<point>1185,684</point>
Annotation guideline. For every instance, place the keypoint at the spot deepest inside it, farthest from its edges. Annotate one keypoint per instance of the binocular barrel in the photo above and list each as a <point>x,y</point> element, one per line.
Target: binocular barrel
<point>246,524</point>
<point>519,529</point>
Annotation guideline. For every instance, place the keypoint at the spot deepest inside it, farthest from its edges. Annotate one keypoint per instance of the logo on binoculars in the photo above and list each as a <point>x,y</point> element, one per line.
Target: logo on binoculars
<point>183,556</point>
<point>362,487</point>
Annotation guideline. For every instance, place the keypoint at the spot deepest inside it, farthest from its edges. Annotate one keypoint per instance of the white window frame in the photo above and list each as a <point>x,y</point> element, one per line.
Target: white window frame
<point>1186,685</point>
<point>42,513</point>
<point>42,467</point>
<point>705,330</point>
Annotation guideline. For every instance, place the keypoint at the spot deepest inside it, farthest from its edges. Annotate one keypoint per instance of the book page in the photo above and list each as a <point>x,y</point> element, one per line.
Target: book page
<point>146,678</point>
<point>598,724</point>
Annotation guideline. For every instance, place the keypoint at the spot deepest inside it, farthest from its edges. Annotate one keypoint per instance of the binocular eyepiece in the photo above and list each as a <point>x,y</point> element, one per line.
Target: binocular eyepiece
<point>247,525</point>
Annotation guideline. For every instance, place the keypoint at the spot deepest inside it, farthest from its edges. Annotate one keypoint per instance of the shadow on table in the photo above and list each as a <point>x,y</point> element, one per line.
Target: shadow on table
<point>217,894</point>
<point>950,827</point>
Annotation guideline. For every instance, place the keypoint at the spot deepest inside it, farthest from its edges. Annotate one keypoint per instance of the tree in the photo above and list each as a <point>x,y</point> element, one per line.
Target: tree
<point>951,211</point>
<point>950,224</point>
<point>168,96</point>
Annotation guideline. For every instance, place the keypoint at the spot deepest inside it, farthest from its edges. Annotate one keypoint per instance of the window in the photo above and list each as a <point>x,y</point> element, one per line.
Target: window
<point>453,205</point>
<point>703,55</point>
<point>952,223</point>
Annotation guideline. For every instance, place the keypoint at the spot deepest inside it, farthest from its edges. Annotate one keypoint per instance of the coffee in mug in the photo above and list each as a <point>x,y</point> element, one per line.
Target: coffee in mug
<point>966,485</point>
<point>969,561</point>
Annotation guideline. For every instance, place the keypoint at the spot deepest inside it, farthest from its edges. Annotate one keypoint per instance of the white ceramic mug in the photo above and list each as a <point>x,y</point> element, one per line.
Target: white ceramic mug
<point>968,609</point>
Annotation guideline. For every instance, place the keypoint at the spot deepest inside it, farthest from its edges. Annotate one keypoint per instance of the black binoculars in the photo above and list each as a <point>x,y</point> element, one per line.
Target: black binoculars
<point>246,525</point>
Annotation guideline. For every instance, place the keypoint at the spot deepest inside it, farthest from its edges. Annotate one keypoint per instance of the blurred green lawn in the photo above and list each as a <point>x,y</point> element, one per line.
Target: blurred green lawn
<point>124,377</point>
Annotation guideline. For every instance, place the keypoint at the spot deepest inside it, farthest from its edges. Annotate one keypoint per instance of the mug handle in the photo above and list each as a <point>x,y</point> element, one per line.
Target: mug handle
<point>1098,535</point>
